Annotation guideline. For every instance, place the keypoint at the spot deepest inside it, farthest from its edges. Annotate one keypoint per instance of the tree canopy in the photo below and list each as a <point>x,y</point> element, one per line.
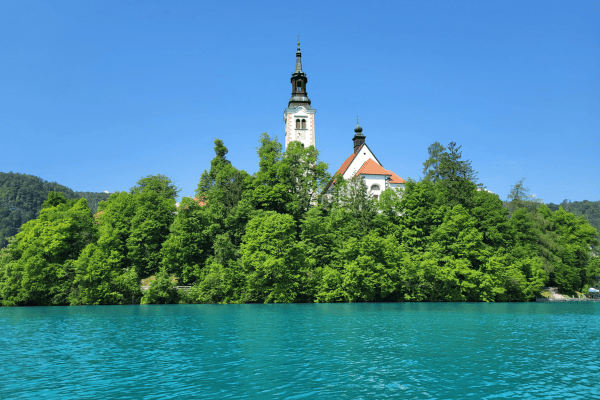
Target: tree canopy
<point>276,236</point>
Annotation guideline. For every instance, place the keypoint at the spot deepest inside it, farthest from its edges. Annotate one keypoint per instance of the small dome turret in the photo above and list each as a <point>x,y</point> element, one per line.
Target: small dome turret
<point>358,129</point>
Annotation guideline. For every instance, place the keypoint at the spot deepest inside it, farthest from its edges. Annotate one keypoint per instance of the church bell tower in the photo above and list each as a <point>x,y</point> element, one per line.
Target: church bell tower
<point>299,116</point>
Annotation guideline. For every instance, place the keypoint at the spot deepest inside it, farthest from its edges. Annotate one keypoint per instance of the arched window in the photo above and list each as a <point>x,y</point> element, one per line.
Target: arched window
<point>303,124</point>
<point>297,124</point>
<point>375,187</point>
<point>299,86</point>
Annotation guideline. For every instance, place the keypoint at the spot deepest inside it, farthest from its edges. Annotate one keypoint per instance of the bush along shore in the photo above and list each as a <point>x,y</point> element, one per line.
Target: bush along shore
<point>276,236</point>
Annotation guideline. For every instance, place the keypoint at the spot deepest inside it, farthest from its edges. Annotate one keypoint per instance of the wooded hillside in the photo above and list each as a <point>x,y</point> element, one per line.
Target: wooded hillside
<point>22,196</point>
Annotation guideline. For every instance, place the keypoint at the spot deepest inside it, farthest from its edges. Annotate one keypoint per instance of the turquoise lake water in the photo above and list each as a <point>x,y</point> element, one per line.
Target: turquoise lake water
<point>293,351</point>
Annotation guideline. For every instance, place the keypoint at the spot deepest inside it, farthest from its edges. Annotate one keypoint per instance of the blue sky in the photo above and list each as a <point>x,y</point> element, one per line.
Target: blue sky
<point>96,94</point>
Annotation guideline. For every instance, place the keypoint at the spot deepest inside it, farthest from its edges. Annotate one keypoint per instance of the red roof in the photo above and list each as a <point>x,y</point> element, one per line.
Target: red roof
<point>343,168</point>
<point>201,201</point>
<point>396,179</point>
<point>347,163</point>
<point>370,167</point>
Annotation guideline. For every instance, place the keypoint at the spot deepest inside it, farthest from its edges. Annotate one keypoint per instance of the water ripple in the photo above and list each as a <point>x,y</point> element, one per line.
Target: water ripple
<point>296,351</point>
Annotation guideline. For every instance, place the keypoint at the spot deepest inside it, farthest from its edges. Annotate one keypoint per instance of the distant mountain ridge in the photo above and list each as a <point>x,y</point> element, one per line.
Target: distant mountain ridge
<point>22,196</point>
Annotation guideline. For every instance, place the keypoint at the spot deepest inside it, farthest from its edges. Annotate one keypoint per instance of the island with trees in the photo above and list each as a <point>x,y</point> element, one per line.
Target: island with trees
<point>277,236</point>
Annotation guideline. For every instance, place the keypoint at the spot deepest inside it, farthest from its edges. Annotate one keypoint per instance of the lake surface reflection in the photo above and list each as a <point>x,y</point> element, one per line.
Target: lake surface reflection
<point>292,351</point>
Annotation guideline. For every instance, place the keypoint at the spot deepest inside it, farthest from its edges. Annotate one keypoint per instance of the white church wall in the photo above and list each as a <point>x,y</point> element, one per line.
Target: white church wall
<point>371,180</point>
<point>358,161</point>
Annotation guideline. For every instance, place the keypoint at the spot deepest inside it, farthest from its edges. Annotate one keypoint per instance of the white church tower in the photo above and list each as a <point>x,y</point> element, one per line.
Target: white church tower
<point>299,117</point>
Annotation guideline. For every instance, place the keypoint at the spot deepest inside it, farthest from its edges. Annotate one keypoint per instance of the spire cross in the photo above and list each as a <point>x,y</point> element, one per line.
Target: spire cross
<point>298,39</point>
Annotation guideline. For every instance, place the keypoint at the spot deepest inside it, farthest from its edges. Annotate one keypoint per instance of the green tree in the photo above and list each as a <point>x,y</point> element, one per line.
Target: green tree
<point>576,238</point>
<point>534,237</point>
<point>37,267</point>
<point>459,238</point>
<point>188,245</point>
<point>219,284</point>
<point>317,237</point>
<point>150,225</point>
<point>270,193</point>
<point>54,199</point>
<point>272,259</point>
<point>367,269</point>
<point>104,273</point>
<point>227,197</point>
<point>161,290</point>
<point>99,280</point>
<point>446,164</point>
<point>159,184</point>
<point>589,209</point>
<point>132,229</point>
<point>422,212</point>
<point>457,179</point>
<point>389,205</point>
<point>353,197</point>
<point>432,164</point>
<point>217,164</point>
<point>304,177</point>
<point>491,219</point>
<point>519,197</point>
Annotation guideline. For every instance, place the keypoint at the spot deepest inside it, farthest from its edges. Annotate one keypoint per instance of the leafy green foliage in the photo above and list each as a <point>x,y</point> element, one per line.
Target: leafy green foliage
<point>304,177</point>
<point>272,259</point>
<point>149,228</point>
<point>352,196</point>
<point>132,229</point>
<point>574,236</point>
<point>456,178</point>
<point>273,237</point>
<point>37,268</point>
<point>161,290</point>
<point>188,245</point>
<point>158,184</point>
<point>100,265</point>
<point>589,209</point>
<point>22,196</point>
<point>431,166</point>
<point>289,182</point>
<point>519,197</point>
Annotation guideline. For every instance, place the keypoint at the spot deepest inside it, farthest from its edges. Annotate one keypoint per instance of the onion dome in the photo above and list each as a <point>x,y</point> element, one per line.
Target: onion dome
<point>358,129</point>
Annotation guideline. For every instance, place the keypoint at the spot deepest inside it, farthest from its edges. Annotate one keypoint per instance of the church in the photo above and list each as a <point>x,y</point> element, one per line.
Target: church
<point>299,119</point>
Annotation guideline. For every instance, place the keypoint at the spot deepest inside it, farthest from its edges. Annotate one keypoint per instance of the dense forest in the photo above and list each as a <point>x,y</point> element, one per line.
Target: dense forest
<point>22,196</point>
<point>275,236</point>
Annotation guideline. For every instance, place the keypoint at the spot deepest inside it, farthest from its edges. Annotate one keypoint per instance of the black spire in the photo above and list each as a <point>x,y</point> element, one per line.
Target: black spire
<point>299,79</point>
<point>358,138</point>
<point>298,57</point>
